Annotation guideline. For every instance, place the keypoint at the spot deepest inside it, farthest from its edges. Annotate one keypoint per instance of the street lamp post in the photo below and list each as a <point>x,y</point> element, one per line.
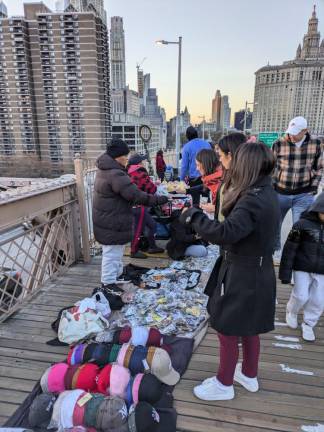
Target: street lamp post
<point>179,43</point>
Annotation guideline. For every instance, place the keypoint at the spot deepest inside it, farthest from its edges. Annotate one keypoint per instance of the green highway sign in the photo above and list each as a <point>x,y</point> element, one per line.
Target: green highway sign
<point>269,137</point>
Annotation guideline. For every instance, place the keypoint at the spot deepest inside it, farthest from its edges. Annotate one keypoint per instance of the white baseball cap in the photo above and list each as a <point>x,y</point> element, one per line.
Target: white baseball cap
<point>296,125</point>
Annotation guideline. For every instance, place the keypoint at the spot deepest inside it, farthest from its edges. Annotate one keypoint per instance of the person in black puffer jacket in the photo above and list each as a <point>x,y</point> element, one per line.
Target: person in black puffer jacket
<point>304,254</point>
<point>114,197</point>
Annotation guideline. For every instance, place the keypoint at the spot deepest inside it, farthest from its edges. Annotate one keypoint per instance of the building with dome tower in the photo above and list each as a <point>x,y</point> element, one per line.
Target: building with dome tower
<point>294,88</point>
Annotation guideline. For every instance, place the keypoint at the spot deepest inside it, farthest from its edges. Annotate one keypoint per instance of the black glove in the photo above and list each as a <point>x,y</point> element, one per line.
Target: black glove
<point>162,199</point>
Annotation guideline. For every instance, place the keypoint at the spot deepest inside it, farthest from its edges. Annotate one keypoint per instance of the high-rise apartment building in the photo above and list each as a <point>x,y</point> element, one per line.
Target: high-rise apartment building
<point>225,114</point>
<point>54,90</point>
<point>3,10</point>
<point>294,88</point>
<point>216,108</point>
<point>117,54</point>
<point>83,6</point>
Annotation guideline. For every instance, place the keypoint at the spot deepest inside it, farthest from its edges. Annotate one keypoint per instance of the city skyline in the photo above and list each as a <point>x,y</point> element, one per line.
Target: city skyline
<point>202,73</point>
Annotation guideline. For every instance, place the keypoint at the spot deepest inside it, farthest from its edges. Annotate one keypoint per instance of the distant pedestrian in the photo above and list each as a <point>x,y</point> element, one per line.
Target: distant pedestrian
<point>114,197</point>
<point>303,255</point>
<point>160,165</point>
<point>143,221</point>
<point>242,286</point>
<point>169,173</point>
<point>298,172</point>
<point>188,162</point>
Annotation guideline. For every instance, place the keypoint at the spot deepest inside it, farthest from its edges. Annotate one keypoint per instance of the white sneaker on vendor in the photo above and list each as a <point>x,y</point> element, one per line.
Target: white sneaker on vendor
<point>291,320</point>
<point>308,333</point>
<point>250,384</point>
<point>212,390</point>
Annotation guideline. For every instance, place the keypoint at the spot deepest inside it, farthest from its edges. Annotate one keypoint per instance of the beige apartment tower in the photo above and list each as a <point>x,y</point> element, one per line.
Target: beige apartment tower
<point>54,90</point>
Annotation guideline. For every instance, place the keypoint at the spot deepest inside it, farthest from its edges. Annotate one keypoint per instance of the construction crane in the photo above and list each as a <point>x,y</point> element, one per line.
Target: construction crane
<point>138,65</point>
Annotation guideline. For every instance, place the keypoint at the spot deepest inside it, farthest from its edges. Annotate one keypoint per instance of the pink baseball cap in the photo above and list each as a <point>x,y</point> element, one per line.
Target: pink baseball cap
<point>119,379</point>
<point>122,354</point>
<point>136,385</point>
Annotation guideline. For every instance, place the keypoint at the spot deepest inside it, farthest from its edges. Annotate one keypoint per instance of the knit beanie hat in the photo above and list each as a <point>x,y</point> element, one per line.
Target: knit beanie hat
<point>117,148</point>
<point>40,412</point>
<point>143,418</point>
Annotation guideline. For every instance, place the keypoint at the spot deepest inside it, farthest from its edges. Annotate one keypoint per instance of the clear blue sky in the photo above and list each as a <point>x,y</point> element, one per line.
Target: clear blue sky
<point>225,42</point>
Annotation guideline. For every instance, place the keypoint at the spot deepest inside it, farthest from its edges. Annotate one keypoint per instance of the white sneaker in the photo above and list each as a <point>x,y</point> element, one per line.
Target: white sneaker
<point>277,258</point>
<point>291,320</point>
<point>250,384</point>
<point>308,333</point>
<point>212,390</point>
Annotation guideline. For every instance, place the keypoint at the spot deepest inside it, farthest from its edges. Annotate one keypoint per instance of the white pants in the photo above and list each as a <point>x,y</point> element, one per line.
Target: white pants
<point>308,293</point>
<point>112,263</point>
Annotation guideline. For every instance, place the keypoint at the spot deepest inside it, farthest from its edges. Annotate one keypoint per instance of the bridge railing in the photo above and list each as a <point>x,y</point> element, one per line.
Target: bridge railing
<point>40,237</point>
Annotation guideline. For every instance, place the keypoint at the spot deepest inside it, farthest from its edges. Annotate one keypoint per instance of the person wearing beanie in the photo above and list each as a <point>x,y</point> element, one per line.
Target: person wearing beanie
<point>143,221</point>
<point>114,197</point>
<point>188,162</point>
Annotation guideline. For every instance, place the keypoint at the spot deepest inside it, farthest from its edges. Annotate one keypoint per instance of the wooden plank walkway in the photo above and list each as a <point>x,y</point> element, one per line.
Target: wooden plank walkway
<point>286,402</point>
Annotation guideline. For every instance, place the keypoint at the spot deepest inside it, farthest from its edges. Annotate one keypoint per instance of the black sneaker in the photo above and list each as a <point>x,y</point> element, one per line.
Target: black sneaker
<point>122,279</point>
<point>155,250</point>
<point>138,255</point>
<point>112,292</point>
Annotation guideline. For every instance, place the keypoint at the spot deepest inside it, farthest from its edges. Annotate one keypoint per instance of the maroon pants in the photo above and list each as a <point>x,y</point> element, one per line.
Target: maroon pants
<point>229,355</point>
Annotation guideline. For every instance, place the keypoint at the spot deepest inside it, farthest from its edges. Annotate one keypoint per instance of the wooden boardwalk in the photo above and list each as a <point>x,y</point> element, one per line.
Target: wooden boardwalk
<point>287,401</point>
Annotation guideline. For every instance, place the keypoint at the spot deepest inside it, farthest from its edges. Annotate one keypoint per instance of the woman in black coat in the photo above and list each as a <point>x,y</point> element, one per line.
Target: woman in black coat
<point>242,286</point>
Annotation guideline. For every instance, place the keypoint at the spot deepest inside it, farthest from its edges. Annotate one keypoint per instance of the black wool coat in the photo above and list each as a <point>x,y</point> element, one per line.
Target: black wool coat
<point>114,196</point>
<point>304,248</point>
<point>242,286</point>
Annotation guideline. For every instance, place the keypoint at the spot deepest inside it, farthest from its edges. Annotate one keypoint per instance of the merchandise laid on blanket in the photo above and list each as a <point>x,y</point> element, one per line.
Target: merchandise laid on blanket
<point>128,348</point>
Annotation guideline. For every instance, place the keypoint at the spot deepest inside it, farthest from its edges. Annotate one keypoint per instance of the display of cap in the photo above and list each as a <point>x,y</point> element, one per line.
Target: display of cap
<point>91,409</point>
<point>55,422</point>
<point>155,338</point>
<point>140,336</point>
<point>55,379</point>
<point>69,375</point>
<point>143,418</point>
<point>150,389</point>
<point>67,408</point>
<point>103,383</point>
<point>87,377</point>
<point>116,337</point>
<point>122,354</point>
<point>119,379</point>
<point>162,368</point>
<point>137,361</point>
<point>136,159</point>
<point>79,411</point>
<point>44,380</point>
<point>98,354</point>
<point>41,410</point>
<point>125,335</point>
<point>114,353</point>
<point>112,415</point>
<point>296,125</point>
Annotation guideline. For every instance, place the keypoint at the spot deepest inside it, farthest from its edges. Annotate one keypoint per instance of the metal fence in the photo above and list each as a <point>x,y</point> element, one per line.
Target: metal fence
<point>36,244</point>
<point>85,170</point>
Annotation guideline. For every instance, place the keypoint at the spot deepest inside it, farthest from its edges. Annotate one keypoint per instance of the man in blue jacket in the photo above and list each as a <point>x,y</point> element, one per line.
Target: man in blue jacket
<point>188,162</point>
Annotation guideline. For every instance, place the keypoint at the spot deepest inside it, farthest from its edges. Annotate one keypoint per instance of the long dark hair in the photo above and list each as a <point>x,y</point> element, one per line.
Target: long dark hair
<point>230,143</point>
<point>209,160</point>
<point>251,161</point>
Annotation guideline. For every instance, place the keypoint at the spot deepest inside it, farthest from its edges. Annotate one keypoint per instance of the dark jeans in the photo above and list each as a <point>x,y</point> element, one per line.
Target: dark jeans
<point>197,188</point>
<point>140,224</point>
<point>229,355</point>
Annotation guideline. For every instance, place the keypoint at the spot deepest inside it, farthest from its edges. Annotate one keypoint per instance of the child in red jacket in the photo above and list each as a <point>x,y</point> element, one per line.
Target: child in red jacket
<point>142,218</point>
